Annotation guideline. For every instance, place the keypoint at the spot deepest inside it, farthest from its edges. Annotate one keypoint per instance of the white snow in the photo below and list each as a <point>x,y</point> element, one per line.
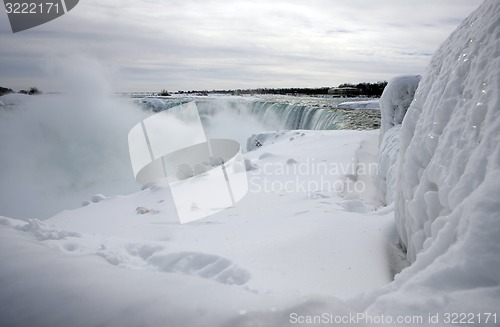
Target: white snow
<point>13,99</point>
<point>367,104</point>
<point>447,204</point>
<point>396,99</point>
<point>306,240</point>
<point>394,103</point>
<point>254,239</point>
<point>387,165</point>
<point>297,239</point>
<point>449,138</point>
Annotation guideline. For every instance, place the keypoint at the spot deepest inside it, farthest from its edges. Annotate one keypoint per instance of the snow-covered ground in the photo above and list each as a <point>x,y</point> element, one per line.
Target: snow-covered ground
<point>308,245</point>
<point>305,230</point>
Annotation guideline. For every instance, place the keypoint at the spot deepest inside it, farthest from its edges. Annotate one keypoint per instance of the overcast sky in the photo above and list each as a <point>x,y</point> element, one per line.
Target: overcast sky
<point>214,44</point>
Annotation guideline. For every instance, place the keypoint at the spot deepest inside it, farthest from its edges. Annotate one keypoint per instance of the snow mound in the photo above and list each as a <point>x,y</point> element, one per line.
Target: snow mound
<point>13,99</point>
<point>42,232</point>
<point>394,103</point>
<point>257,140</point>
<point>447,204</point>
<point>96,198</point>
<point>395,100</point>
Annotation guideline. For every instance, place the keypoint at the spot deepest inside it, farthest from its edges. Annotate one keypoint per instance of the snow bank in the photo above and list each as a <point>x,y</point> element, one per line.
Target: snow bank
<point>447,205</point>
<point>87,291</point>
<point>394,103</point>
<point>13,99</point>
<point>368,104</point>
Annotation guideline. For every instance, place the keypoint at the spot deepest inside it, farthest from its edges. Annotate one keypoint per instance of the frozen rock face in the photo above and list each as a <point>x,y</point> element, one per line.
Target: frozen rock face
<point>387,165</point>
<point>448,192</point>
<point>448,184</point>
<point>394,103</point>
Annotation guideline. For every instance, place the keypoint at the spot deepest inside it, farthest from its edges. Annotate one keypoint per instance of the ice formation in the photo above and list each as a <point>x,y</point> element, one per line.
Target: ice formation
<point>449,139</point>
<point>394,103</point>
<point>447,204</point>
<point>396,99</point>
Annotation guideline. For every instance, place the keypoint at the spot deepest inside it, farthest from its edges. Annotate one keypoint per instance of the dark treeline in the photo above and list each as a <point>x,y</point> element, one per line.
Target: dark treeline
<point>4,90</point>
<point>311,91</point>
<point>346,89</point>
<point>362,89</point>
<point>31,91</point>
<point>368,89</point>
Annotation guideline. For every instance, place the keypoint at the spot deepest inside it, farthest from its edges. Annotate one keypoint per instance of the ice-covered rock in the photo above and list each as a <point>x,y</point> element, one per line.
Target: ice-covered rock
<point>395,100</point>
<point>450,147</point>
<point>255,141</point>
<point>184,171</point>
<point>249,165</point>
<point>43,232</point>
<point>447,196</point>
<point>96,198</point>
<point>394,103</point>
<point>387,163</point>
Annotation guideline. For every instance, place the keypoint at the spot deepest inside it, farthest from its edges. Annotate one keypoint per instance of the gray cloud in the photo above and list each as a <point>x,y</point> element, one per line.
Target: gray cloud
<point>150,45</point>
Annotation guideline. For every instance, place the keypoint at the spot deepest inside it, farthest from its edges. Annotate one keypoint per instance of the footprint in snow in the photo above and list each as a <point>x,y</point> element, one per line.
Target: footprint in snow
<point>207,266</point>
<point>266,155</point>
<point>354,206</point>
<point>199,264</point>
<point>300,213</point>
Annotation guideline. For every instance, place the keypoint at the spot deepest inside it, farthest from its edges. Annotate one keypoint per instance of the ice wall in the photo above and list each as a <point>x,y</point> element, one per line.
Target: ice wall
<point>394,103</point>
<point>448,189</point>
<point>450,149</point>
<point>396,99</point>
